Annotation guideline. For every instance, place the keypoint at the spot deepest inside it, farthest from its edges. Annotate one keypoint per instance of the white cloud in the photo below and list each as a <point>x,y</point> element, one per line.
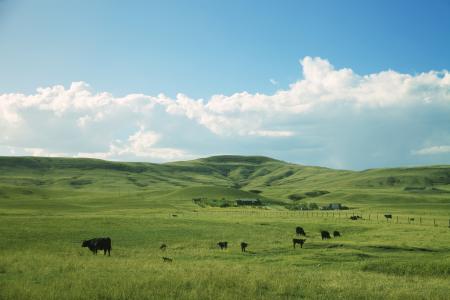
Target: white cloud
<point>335,110</point>
<point>272,133</point>
<point>433,150</point>
<point>41,152</point>
<point>139,145</point>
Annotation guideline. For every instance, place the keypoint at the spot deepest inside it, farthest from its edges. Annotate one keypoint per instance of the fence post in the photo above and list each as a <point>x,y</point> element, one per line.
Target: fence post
<point>397,219</point>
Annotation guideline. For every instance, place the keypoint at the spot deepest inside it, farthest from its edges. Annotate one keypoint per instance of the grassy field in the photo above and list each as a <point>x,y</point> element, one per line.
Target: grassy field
<point>49,205</point>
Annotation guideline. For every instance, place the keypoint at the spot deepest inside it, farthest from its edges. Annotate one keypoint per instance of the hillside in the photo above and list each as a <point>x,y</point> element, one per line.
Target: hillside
<point>227,177</point>
<point>49,206</point>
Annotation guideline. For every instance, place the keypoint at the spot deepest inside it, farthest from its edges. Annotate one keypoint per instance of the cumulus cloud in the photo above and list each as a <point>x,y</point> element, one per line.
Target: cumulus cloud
<point>433,150</point>
<point>330,116</point>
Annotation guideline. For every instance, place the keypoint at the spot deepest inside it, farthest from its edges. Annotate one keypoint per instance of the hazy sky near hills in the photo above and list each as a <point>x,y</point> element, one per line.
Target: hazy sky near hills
<point>343,84</point>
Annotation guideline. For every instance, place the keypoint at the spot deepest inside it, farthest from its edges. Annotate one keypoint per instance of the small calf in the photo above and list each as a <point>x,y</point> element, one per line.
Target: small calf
<point>298,241</point>
<point>222,245</point>
<point>243,246</point>
<point>336,233</point>
<point>167,259</point>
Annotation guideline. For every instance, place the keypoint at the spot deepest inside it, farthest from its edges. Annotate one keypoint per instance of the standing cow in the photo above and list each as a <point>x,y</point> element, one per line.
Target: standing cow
<point>222,245</point>
<point>336,233</point>
<point>299,231</point>
<point>325,235</point>
<point>244,246</point>
<point>98,244</point>
<point>298,241</point>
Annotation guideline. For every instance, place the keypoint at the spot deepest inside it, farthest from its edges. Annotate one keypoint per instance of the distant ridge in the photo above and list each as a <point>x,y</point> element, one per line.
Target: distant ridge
<point>239,159</point>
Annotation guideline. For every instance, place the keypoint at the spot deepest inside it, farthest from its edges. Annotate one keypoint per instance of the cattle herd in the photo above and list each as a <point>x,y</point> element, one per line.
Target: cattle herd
<point>105,243</point>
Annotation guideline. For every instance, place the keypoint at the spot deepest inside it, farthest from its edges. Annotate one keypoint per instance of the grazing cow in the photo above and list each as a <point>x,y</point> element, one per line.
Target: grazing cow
<point>163,247</point>
<point>167,259</point>
<point>354,218</point>
<point>336,233</point>
<point>222,245</point>
<point>98,244</point>
<point>298,241</point>
<point>299,231</point>
<point>174,216</point>
<point>388,217</point>
<point>325,235</point>
<point>244,245</point>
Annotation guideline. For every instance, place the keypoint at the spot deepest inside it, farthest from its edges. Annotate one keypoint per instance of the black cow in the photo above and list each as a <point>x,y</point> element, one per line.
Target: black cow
<point>244,245</point>
<point>388,217</point>
<point>325,235</point>
<point>299,231</point>
<point>222,245</point>
<point>298,241</point>
<point>167,259</point>
<point>354,218</point>
<point>98,244</point>
<point>336,233</point>
<point>163,247</point>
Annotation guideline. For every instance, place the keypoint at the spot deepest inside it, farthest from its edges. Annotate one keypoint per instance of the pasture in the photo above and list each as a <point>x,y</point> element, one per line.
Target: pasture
<point>43,225</point>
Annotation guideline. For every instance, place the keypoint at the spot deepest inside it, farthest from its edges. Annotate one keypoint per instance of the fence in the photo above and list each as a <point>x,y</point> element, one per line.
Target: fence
<point>365,216</point>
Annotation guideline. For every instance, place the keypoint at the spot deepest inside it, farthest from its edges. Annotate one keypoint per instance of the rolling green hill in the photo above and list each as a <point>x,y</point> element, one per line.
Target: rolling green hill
<point>69,181</point>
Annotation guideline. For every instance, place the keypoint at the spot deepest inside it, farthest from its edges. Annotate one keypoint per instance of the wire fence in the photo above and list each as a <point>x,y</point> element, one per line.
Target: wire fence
<point>350,216</point>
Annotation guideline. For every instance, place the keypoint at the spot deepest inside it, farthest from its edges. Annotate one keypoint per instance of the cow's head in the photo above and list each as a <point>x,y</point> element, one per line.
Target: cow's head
<point>84,244</point>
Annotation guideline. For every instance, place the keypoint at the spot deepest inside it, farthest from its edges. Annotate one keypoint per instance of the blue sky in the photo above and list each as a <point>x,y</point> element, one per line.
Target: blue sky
<point>396,52</point>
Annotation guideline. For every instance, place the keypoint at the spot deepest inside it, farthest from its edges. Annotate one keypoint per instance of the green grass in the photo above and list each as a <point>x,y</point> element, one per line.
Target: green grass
<point>48,206</point>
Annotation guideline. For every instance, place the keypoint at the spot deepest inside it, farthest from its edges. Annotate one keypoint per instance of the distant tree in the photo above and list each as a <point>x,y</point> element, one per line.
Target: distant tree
<point>313,205</point>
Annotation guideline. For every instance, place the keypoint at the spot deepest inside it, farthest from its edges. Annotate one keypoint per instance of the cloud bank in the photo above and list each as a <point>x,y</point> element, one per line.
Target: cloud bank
<point>330,117</point>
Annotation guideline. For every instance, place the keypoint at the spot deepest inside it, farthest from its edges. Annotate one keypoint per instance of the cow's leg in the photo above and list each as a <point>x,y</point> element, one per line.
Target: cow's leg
<point>104,251</point>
